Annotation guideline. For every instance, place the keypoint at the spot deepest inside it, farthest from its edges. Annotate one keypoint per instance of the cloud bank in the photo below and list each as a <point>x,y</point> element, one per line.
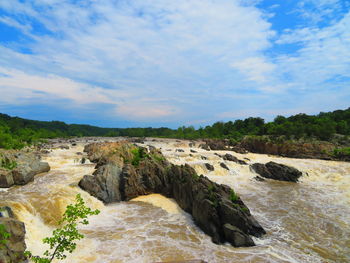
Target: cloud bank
<point>174,61</point>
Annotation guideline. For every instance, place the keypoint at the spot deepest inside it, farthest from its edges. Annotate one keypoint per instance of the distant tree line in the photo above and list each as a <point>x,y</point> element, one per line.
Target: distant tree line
<point>17,132</point>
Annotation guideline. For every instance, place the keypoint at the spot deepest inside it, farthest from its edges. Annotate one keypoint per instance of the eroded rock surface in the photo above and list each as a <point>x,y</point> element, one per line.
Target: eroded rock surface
<point>126,171</point>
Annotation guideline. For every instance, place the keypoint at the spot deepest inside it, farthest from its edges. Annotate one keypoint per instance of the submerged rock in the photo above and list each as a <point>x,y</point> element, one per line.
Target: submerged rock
<point>277,171</point>
<point>215,208</point>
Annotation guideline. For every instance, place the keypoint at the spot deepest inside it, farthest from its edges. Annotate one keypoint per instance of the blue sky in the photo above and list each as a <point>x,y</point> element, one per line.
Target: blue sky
<point>119,63</point>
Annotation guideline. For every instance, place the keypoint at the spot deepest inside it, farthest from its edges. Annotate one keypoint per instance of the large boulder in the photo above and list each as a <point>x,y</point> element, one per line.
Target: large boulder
<point>6,178</point>
<point>19,168</point>
<point>13,250</point>
<point>215,208</point>
<point>104,184</point>
<point>277,171</point>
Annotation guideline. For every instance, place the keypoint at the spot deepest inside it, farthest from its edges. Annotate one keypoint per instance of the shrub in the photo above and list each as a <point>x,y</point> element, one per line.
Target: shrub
<point>138,154</point>
<point>8,164</point>
<point>233,196</point>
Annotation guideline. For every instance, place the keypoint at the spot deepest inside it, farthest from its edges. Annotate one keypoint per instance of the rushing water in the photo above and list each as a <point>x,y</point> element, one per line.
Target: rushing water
<point>305,222</point>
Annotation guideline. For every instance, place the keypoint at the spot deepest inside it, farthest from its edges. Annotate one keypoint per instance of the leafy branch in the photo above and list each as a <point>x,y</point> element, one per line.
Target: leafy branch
<point>64,238</point>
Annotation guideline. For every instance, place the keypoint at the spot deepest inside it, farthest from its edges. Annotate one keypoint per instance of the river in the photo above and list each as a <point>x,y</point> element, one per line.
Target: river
<point>305,222</point>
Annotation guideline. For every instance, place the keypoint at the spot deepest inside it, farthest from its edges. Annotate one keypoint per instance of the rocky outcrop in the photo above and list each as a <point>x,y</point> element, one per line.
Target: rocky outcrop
<point>277,171</point>
<point>20,168</point>
<point>215,208</point>
<point>288,148</point>
<point>13,250</point>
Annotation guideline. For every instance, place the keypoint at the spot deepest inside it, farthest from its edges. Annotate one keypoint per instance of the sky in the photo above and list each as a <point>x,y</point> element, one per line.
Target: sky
<point>140,63</point>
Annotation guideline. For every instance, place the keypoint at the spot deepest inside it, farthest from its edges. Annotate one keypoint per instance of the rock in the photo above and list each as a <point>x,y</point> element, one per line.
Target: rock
<point>192,144</point>
<point>239,149</point>
<point>229,157</point>
<point>203,157</point>
<point>179,150</point>
<point>104,185</point>
<point>27,165</point>
<point>79,153</point>
<point>209,167</point>
<point>236,237</point>
<point>223,165</point>
<point>216,145</point>
<point>6,178</point>
<point>64,147</point>
<point>259,179</point>
<point>211,205</point>
<point>13,250</point>
<point>204,146</point>
<point>288,148</point>
<point>25,172</point>
<point>277,171</point>
<point>6,211</point>
<point>193,151</point>
<point>74,144</point>
<point>83,160</point>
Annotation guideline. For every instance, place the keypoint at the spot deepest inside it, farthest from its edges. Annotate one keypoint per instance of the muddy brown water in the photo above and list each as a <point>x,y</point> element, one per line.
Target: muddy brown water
<point>305,222</point>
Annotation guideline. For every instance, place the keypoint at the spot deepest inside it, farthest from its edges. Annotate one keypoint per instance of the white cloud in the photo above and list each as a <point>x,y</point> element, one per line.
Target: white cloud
<point>256,68</point>
<point>132,49</point>
<point>193,58</point>
<point>323,56</point>
<point>13,23</point>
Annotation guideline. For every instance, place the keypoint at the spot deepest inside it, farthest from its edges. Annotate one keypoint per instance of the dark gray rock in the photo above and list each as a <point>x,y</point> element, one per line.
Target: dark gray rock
<point>209,167</point>
<point>223,165</point>
<point>104,185</point>
<point>236,237</point>
<point>277,171</point>
<point>193,151</point>
<point>230,157</point>
<point>211,205</point>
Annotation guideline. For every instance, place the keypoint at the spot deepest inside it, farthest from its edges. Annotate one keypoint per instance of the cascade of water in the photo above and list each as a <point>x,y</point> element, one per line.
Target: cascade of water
<point>306,222</point>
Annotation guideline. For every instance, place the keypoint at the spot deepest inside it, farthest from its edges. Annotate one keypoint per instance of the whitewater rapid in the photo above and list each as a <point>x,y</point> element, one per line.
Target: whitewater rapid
<point>305,222</point>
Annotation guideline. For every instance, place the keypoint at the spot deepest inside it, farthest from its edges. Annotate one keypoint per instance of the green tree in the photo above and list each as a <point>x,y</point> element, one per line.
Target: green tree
<point>63,239</point>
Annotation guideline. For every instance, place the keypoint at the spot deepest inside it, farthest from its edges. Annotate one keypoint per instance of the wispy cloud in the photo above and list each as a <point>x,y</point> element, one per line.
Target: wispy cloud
<point>160,60</point>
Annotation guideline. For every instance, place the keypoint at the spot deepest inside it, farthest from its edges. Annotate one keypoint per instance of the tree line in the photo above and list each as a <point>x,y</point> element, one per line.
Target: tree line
<point>17,132</point>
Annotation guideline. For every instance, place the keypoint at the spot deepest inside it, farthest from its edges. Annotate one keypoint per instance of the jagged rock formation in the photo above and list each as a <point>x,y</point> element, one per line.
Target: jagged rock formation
<point>13,250</point>
<point>277,171</point>
<point>125,171</point>
<point>20,168</point>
